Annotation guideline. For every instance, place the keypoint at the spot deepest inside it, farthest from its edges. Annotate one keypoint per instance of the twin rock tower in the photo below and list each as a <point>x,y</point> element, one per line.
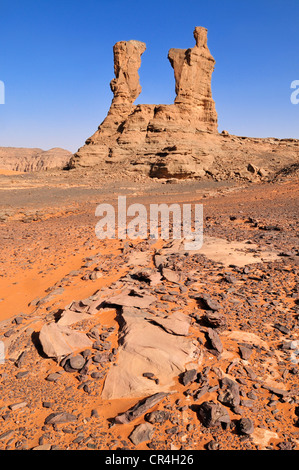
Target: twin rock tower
<point>158,140</point>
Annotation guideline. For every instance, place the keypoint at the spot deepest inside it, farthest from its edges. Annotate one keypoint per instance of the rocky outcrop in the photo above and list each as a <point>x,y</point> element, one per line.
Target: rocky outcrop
<point>140,136</point>
<point>33,159</point>
<point>180,140</point>
<point>150,347</point>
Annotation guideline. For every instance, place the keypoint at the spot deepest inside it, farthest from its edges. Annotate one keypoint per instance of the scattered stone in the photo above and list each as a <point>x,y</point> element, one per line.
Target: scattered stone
<point>207,303</point>
<point>149,375</point>
<point>245,352</point>
<point>47,404</point>
<point>53,377</point>
<point>22,374</point>
<point>18,406</point>
<point>189,376</point>
<point>283,329</point>
<point>21,359</point>
<point>140,408</point>
<point>142,432</point>
<point>213,445</point>
<point>276,391</point>
<point>95,413</point>
<point>62,417</point>
<point>230,393</point>
<point>215,320</point>
<point>212,414</point>
<point>246,426</point>
<point>200,392</point>
<point>8,333</point>
<point>159,416</point>
<point>77,362</point>
<point>215,340</point>
<point>6,435</point>
<point>287,445</point>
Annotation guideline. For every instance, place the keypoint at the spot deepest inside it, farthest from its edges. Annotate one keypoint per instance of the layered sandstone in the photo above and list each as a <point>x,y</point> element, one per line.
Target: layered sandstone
<point>180,140</point>
<point>33,159</point>
<point>193,70</point>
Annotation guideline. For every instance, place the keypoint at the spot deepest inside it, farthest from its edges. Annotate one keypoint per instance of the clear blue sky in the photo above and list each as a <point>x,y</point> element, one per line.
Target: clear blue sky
<point>56,61</point>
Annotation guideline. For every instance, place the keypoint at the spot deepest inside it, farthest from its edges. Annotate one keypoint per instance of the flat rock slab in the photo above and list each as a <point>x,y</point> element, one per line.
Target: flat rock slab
<point>59,341</point>
<point>140,258</point>
<point>178,323</point>
<point>262,437</point>
<point>69,317</point>
<point>238,253</point>
<point>171,276</point>
<point>246,337</point>
<point>132,298</point>
<point>146,347</point>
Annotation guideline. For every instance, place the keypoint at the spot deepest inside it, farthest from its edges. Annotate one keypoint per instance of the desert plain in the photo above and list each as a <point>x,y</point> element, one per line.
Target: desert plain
<point>240,304</point>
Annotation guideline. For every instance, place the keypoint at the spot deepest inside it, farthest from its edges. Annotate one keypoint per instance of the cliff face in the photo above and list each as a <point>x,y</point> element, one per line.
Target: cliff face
<point>33,159</point>
<point>179,140</point>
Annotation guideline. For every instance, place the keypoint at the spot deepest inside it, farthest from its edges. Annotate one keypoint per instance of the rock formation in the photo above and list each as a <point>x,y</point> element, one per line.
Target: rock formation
<point>125,88</point>
<point>33,159</point>
<point>180,140</point>
<point>141,135</point>
<point>193,74</point>
<point>148,345</point>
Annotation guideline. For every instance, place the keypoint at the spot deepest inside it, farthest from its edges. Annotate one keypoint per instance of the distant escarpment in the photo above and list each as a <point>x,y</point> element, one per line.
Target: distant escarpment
<point>180,140</point>
<point>33,159</point>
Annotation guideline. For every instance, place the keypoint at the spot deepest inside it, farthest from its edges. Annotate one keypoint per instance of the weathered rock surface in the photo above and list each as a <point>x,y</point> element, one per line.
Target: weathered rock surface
<point>246,398</point>
<point>146,347</point>
<point>59,341</point>
<point>213,414</point>
<point>33,159</point>
<point>132,298</point>
<point>62,417</point>
<point>142,432</point>
<point>179,140</point>
<point>193,70</point>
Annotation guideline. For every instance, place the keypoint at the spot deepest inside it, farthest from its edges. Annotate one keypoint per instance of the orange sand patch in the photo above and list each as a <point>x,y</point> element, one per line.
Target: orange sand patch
<point>10,172</point>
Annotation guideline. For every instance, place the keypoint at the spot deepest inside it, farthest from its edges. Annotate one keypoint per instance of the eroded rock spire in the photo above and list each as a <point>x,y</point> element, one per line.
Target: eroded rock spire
<point>127,60</point>
<point>157,139</point>
<point>193,70</point>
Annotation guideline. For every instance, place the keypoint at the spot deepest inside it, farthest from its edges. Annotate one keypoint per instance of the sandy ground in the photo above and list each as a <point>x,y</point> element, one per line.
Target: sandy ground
<point>48,245</point>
